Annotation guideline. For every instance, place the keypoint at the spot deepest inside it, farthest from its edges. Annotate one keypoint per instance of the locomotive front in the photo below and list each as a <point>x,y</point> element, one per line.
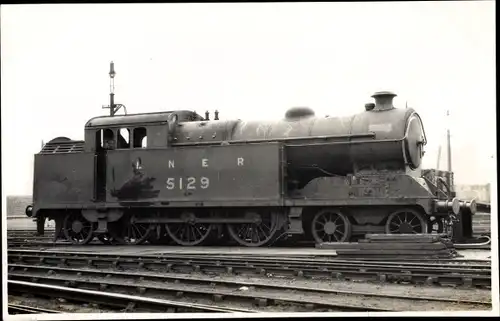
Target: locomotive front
<point>368,163</point>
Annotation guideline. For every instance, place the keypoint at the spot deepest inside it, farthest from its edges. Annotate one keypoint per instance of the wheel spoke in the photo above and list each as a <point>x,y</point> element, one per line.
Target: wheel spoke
<point>198,232</point>
<point>257,234</point>
<point>264,234</point>
<point>137,233</point>
<point>247,232</point>
<point>268,228</point>
<point>320,223</point>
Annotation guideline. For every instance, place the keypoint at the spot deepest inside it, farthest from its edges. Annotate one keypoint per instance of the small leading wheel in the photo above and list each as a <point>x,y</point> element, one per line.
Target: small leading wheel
<point>435,225</point>
<point>406,221</point>
<point>261,231</point>
<point>77,229</point>
<point>330,225</point>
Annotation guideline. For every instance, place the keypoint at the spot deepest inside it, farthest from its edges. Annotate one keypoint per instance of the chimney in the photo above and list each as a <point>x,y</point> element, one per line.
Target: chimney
<point>216,115</point>
<point>383,100</point>
<point>207,115</point>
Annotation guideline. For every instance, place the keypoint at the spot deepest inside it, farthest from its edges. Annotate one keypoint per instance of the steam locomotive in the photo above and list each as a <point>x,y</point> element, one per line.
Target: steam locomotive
<point>178,177</point>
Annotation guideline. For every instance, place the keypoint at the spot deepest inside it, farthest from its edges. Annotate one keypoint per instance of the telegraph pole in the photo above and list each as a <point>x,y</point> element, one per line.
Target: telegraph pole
<point>113,108</point>
<point>448,141</point>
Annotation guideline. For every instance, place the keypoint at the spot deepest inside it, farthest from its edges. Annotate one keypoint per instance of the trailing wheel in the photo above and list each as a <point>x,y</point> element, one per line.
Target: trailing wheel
<point>330,225</point>
<point>406,221</point>
<point>77,229</point>
<point>261,231</point>
<point>190,232</point>
<point>435,225</point>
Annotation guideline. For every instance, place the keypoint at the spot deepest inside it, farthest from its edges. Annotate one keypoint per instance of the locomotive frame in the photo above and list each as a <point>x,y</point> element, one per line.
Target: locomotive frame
<point>196,181</point>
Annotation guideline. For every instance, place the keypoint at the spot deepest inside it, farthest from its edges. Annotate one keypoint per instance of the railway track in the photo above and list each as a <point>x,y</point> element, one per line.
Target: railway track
<point>116,300</point>
<point>27,239</point>
<point>469,275</point>
<point>262,293</point>
<point>34,243</point>
<point>24,309</point>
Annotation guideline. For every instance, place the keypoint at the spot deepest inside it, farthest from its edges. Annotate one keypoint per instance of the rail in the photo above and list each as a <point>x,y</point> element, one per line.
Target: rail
<point>415,272</point>
<point>24,309</point>
<point>115,299</point>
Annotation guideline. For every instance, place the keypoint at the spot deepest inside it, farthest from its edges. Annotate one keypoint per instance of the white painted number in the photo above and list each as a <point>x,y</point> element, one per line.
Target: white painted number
<point>191,181</point>
<point>205,182</point>
<point>171,183</point>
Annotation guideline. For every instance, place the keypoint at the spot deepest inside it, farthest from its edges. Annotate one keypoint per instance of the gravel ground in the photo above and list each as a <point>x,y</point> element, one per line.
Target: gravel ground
<point>361,286</point>
<point>457,294</point>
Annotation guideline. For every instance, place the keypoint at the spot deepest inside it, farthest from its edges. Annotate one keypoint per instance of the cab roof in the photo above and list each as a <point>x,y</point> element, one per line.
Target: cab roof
<point>145,118</point>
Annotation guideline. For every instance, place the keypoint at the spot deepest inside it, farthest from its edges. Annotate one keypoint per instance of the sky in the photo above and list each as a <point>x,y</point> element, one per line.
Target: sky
<point>249,61</point>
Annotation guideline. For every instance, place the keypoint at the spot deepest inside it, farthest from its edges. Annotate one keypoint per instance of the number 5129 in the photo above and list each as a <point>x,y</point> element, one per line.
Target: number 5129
<point>188,183</point>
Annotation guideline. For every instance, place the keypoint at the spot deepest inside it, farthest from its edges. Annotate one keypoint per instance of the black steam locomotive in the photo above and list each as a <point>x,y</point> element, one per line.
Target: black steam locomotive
<point>186,179</point>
